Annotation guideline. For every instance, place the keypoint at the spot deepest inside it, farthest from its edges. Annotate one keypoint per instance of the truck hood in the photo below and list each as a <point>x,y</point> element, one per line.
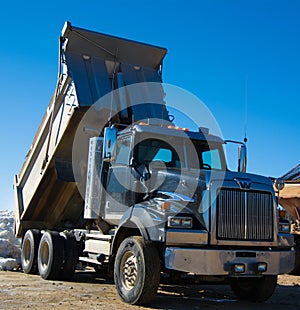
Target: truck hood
<point>187,182</point>
<point>191,190</point>
<point>246,181</point>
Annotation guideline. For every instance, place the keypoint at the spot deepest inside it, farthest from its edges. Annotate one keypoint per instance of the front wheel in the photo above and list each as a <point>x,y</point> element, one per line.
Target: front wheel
<point>254,289</point>
<point>137,270</point>
<point>296,270</point>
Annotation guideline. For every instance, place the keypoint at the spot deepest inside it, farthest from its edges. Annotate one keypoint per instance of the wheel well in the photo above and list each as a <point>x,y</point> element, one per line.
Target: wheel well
<point>125,232</point>
<point>122,234</point>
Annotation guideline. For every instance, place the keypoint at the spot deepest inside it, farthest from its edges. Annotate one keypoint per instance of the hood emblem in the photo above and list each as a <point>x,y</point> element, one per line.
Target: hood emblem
<point>243,183</point>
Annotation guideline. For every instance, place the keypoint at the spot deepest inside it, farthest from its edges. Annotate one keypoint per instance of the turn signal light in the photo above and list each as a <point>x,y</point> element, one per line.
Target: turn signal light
<point>166,206</point>
<point>282,213</point>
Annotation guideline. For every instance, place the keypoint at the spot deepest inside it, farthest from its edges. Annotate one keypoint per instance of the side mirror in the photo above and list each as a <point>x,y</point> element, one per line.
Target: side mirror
<point>110,138</point>
<point>242,158</point>
<point>279,184</point>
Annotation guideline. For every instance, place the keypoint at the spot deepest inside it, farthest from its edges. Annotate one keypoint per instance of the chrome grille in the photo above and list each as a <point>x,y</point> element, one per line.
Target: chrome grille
<point>244,215</point>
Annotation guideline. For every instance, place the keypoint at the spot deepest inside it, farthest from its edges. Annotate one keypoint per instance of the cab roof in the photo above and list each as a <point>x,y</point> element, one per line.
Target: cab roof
<point>163,130</point>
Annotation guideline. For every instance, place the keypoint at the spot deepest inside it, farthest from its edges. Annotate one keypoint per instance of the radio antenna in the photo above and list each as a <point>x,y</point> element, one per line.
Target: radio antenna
<point>246,109</point>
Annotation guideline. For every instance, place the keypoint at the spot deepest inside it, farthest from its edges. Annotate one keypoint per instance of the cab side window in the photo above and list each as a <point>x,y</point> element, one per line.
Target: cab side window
<point>123,151</point>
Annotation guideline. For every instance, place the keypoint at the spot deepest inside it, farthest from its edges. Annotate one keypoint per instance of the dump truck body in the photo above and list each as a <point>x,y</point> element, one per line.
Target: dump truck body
<point>46,192</point>
<point>112,181</point>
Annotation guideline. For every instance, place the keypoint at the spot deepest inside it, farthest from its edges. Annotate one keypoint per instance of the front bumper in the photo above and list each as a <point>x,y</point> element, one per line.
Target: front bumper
<point>221,262</point>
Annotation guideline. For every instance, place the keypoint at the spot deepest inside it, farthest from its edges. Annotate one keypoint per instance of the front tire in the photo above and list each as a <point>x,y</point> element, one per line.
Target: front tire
<point>29,251</point>
<point>254,289</point>
<point>137,270</point>
<point>296,270</point>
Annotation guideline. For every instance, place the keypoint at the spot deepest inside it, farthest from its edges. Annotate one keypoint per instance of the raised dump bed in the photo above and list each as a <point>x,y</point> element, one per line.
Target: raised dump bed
<point>91,66</point>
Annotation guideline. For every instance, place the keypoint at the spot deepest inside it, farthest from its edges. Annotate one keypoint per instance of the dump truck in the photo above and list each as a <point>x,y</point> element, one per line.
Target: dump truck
<point>287,189</point>
<point>112,182</point>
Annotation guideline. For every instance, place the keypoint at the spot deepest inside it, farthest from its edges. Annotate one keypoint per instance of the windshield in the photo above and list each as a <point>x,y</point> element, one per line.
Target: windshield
<point>157,150</point>
<point>182,153</point>
<point>210,156</point>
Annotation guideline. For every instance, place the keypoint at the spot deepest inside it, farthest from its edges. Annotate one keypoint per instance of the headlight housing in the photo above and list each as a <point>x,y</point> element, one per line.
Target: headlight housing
<point>284,227</point>
<point>180,222</point>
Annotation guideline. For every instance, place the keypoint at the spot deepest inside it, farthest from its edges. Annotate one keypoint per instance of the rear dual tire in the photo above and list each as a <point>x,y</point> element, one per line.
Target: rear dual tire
<point>71,255</point>
<point>57,256</point>
<point>29,251</point>
<point>53,255</point>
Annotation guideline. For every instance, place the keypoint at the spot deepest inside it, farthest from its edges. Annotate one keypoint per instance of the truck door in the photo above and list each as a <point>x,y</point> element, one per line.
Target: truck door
<point>118,194</point>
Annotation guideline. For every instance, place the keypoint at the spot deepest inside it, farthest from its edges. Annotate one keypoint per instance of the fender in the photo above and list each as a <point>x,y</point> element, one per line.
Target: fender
<point>139,219</point>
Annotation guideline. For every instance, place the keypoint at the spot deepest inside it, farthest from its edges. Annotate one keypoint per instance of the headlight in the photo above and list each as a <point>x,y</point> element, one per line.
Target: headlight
<point>284,228</point>
<point>180,222</point>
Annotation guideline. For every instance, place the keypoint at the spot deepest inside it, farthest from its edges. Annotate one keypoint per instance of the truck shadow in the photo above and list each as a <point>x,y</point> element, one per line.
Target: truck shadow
<point>195,296</point>
<point>90,276</point>
<point>220,296</point>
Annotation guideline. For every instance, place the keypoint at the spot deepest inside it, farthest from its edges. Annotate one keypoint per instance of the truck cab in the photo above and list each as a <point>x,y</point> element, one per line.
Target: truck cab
<point>148,159</point>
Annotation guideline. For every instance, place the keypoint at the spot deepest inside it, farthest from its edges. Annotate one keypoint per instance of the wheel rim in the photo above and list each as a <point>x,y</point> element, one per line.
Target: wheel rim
<point>44,255</point>
<point>27,251</point>
<point>129,270</point>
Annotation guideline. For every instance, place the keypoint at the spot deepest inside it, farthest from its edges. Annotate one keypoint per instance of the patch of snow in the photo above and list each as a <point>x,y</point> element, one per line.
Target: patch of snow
<point>8,264</point>
<point>10,252</point>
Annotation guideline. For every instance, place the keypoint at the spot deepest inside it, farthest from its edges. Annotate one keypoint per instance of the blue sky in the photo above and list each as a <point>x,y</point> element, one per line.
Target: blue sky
<point>215,48</point>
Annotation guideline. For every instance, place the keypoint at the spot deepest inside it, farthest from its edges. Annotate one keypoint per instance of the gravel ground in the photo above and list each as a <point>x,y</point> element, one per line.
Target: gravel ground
<point>89,291</point>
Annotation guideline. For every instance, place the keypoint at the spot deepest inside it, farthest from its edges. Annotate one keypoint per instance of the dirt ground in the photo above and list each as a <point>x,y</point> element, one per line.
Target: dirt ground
<point>89,291</point>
